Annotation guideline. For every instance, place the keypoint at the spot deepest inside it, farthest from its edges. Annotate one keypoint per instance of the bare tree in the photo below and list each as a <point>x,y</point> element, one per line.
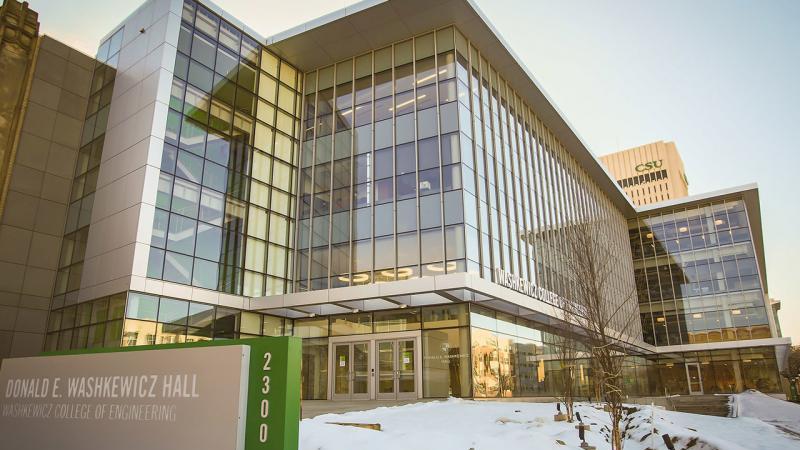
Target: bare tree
<point>565,344</point>
<point>602,310</point>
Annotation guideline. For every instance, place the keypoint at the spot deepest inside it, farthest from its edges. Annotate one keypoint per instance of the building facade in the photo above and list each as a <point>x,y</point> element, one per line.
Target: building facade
<point>650,173</point>
<point>46,88</point>
<point>391,185</point>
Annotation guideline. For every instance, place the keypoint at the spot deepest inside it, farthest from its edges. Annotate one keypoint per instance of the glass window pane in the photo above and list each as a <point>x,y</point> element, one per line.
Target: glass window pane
<point>203,50</point>
<point>142,306</point>
<point>212,205</point>
<point>189,166</point>
<point>430,211</point>
<point>454,242</point>
<point>351,324</point>
<point>215,176</point>
<point>159,236</point>
<point>453,208</point>
<point>407,249</point>
<point>173,311</point>
<point>255,255</point>
<point>164,194</point>
<point>186,198</point>
<point>406,215</point>
<point>406,186</point>
<point>155,263</point>
<point>138,333</point>
<point>362,255</point>
<point>428,153</point>
<point>201,315</point>
<point>431,245</point>
<point>429,182</point>
<point>209,242</point>
<point>383,163</point>
<point>384,219</point>
<point>177,268</point>
<point>181,234</point>
<point>384,252</point>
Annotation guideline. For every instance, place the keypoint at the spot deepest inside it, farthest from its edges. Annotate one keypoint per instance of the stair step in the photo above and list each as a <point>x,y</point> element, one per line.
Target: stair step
<point>709,405</point>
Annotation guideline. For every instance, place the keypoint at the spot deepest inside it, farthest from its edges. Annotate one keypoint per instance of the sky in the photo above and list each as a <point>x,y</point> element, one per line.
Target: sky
<point>719,78</point>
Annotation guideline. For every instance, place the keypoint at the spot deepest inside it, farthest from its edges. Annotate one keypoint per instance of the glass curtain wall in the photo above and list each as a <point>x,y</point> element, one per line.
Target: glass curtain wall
<point>87,168</point>
<point>697,276</point>
<point>528,188</point>
<point>380,174</point>
<point>226,194</point>
<point>721,371</point>
<point>143,319</point>
<point>420,159</point>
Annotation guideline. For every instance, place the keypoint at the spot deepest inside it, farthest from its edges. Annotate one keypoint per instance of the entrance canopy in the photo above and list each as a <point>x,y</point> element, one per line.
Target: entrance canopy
<point>435,290</point>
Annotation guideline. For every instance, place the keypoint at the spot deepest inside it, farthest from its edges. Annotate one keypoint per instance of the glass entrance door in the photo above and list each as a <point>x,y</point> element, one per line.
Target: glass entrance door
<point>397,378</point>
<point>351,371</point>
<point>695,378</point>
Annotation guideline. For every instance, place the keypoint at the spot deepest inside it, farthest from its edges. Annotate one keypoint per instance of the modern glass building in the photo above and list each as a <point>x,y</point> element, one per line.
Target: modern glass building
<point>390,184</point>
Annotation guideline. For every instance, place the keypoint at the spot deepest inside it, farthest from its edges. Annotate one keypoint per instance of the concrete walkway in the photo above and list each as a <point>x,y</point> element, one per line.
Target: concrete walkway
<point>313,408</point>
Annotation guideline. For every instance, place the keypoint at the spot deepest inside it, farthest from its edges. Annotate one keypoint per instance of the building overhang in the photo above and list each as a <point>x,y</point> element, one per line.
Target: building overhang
<point>425,291</point>
<point>747,193</point>
<point>726,345</point>
<point>373,24</point>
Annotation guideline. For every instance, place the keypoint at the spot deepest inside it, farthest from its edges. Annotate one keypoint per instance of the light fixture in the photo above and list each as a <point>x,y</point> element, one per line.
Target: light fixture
<point>402,306</point>
<point>697,316</point>
<point>355,311</point>
<point>388,273</point>
<point>407,102</point>
<point>736,312</point>
<point>660,319</point>
<point>360,278</point>
<point>683,229</point>
<point>649,235</point>
<point>404,272</point>
<point>719,222</point>
<point>450,266</point>
<point>747,360</point>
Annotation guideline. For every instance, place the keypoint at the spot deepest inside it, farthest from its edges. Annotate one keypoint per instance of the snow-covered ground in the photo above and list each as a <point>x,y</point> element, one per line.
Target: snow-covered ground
<point>457,424</point>
<point>761,406</point>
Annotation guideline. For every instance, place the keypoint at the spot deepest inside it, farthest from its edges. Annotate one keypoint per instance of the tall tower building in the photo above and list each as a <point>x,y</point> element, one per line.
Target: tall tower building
<point>650,173</point>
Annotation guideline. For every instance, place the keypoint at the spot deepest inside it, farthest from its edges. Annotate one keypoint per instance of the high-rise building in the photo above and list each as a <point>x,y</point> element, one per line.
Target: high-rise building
<point>390,184</point>
<point>649,173</point>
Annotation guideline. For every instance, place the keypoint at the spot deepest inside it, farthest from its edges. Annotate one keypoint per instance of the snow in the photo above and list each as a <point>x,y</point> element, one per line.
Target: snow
<point>456,424</point>
<point>761,406</point>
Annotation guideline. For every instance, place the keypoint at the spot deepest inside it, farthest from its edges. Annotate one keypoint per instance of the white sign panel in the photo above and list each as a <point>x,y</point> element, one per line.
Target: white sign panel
<point>189,398</point>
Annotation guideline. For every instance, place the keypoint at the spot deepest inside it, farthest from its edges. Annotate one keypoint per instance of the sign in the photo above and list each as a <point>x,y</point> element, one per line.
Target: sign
<point>648,166</point>
<point>237,394</point>
<point>525,287</point>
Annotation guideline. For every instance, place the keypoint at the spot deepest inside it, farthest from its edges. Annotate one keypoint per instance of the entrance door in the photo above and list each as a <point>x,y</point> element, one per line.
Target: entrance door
<point>695,378</point>
<point>396,369</point>
<point>351,371</point>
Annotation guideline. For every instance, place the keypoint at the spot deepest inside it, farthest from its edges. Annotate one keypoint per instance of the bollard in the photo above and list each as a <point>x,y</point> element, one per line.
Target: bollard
<point>559,417</point>
<point>581,434</point>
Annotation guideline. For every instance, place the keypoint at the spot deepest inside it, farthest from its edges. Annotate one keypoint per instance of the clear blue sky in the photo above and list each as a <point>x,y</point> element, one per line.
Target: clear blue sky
<point>719,78</point>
